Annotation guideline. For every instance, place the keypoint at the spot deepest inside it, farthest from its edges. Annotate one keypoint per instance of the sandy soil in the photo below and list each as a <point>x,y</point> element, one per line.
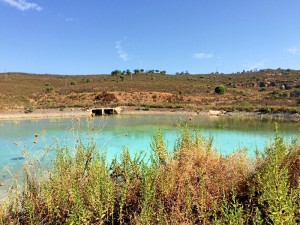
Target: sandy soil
<point>213,113</point>
<point>79,112</point>
<point>45,113</point>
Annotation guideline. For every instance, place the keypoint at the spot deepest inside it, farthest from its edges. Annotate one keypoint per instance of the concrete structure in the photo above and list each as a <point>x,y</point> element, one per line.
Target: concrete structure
<point>103,111</point>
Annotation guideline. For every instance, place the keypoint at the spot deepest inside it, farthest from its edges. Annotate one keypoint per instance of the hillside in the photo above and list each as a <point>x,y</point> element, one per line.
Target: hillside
<point>265,90</point>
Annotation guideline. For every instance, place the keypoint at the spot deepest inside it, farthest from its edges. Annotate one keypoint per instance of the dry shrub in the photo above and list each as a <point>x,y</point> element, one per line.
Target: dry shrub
<point>106,97</point>
<point>292,163</point>
<point>3,213</point>
<point>197,177</point>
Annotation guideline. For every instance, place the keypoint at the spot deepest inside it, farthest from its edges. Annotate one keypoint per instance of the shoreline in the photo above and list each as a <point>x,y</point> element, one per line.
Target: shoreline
<point>80,112</point>
<point>44,114</point>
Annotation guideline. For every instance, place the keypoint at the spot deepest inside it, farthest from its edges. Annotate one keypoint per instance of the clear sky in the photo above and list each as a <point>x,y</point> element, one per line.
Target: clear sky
<point>98,36</point>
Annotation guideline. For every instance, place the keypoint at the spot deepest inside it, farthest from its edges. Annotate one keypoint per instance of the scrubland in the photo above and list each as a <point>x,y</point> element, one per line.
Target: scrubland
<point>266,91</point>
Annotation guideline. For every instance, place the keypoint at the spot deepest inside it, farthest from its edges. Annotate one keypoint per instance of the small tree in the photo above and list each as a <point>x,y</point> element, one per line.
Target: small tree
<point>116,73</point>
<point>136,71</point>
<point>163,72</point>
<point>220,89</point>
<point>128,73</point>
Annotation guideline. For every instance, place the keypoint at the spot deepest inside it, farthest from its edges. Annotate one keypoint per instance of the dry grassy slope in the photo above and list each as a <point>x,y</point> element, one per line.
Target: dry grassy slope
<point>244,91</point>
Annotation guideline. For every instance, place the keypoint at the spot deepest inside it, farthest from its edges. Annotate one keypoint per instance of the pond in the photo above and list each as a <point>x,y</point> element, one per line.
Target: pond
<point>39,138</point>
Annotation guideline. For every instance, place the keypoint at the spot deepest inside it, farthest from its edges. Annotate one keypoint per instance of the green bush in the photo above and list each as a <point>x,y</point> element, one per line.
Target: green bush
<point>87,80</point>
<point>73,82</point>
<point>49,88</point>
<point>272,193</point>
<point>220,89</point>
<point>122,76</point>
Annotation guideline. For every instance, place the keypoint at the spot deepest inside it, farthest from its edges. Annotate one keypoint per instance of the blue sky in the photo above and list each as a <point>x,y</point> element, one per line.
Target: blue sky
<point>98,36</point>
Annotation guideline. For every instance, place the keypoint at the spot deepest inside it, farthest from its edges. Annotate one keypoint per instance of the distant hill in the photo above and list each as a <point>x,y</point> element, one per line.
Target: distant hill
<point>269,90</point>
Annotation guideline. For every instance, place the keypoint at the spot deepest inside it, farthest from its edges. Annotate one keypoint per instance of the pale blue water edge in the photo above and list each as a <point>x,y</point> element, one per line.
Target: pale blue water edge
<point>113,133</point>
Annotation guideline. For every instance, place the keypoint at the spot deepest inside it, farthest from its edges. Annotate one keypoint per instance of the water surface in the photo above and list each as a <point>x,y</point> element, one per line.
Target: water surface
<point>39,138</point>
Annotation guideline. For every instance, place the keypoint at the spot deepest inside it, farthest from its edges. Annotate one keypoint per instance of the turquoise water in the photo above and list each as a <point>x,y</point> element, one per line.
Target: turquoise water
<point>18,139</point>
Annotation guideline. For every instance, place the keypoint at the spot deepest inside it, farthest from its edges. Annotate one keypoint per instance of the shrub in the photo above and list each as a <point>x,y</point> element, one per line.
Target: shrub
<point>271,187</point>
<point>262,84</point>
<point>87,80</point>
<point>73,82</point>
<point>49,88</point>
<point>262,89</point>
<point>28,110</point>
<point>106,98</point>
<point>62,107</point>
<point>193,184</point>
<point>220,89</point>
<point>122,76</point>
<point>287,87</point>
<point>265,109</point>
<point>295,93</point>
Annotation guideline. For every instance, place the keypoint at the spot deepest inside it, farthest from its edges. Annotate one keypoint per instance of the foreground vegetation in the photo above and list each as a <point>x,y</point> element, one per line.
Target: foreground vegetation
<point>191,185</point>
<point>264,90</point>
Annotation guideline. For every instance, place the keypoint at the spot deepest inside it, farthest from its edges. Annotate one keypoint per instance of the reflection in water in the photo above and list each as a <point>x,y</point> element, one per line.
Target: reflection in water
<point>17,158</point>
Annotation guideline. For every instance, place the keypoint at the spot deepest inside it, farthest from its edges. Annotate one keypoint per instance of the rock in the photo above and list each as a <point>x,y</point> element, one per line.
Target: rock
<point>214,112</point>
<point>118,110</point>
